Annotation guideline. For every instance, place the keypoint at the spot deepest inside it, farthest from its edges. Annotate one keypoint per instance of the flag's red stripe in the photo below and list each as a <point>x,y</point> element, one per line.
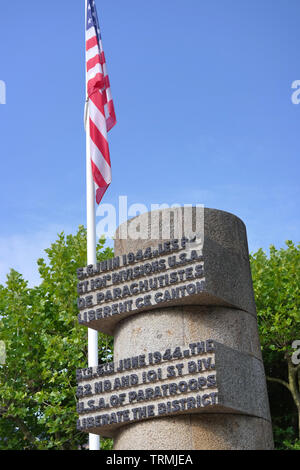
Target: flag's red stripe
<point>92,62</point>
<point>94,83</point>
<point>97,99</point>
<point>100,193</point>
<point>100,141</point>
<point>91,43</point>
<point>104,96</point>
<point>112,120</point>
<point>102,58</point>
<point>98,178</point>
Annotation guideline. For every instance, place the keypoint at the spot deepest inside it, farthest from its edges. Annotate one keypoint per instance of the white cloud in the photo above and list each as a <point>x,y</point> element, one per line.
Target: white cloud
<point>21,251</point>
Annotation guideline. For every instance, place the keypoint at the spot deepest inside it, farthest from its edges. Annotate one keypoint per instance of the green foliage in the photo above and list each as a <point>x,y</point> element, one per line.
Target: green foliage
<point>284,437</point>
<point>44,347</point>
<point>289,445</point>
<point>276,281</point>
<point>106,444</point>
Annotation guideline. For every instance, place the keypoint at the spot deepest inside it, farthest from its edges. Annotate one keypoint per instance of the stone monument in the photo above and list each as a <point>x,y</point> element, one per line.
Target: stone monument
<point>187,371</point>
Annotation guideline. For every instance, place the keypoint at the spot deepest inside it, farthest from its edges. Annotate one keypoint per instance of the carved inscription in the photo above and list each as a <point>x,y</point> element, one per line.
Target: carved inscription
<point>160,383</point>
<point>140,281</point>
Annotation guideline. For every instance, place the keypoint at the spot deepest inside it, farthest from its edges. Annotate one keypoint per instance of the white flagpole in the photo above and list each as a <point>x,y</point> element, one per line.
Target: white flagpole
<point>94,439</point>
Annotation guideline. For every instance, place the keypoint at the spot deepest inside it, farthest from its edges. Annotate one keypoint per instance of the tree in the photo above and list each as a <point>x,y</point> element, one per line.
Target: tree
<point>276,280</point>
<point>44,347</point>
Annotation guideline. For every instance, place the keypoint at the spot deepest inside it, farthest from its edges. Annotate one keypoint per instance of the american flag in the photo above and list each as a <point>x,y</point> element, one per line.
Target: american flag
<point>99,102</point>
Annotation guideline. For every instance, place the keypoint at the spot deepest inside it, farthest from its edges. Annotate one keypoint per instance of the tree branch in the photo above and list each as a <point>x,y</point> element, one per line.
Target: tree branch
<point>23,428</point>
<point>3,411</point>
<point>19,423</point>
<point>293,381</point>
<point>279,381</point>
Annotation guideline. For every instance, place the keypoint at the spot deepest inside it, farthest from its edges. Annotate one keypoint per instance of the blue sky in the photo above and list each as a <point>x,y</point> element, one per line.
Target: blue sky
<point>202,92</point>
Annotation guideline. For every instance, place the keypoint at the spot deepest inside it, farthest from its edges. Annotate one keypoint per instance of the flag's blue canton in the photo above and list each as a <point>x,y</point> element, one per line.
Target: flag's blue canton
<point>92,18</point>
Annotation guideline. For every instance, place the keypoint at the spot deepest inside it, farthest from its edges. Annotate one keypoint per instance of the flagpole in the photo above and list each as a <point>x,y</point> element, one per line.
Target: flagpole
<point>94,439</point>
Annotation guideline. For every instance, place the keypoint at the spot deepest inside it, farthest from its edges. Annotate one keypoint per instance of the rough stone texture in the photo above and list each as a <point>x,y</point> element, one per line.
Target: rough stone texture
<point>175,326</point>
<point>221,237</point>
<point>225,250</point>
<point>228,276</point>
<point>241,382</point>
<point>197,432</point>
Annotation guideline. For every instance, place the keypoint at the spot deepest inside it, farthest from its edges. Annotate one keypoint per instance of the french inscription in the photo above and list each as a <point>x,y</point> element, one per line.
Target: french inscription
<point>140,281</point>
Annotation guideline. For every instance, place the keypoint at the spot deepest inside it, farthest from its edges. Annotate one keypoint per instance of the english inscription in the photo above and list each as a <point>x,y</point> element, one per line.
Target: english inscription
<point>177,380</point>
